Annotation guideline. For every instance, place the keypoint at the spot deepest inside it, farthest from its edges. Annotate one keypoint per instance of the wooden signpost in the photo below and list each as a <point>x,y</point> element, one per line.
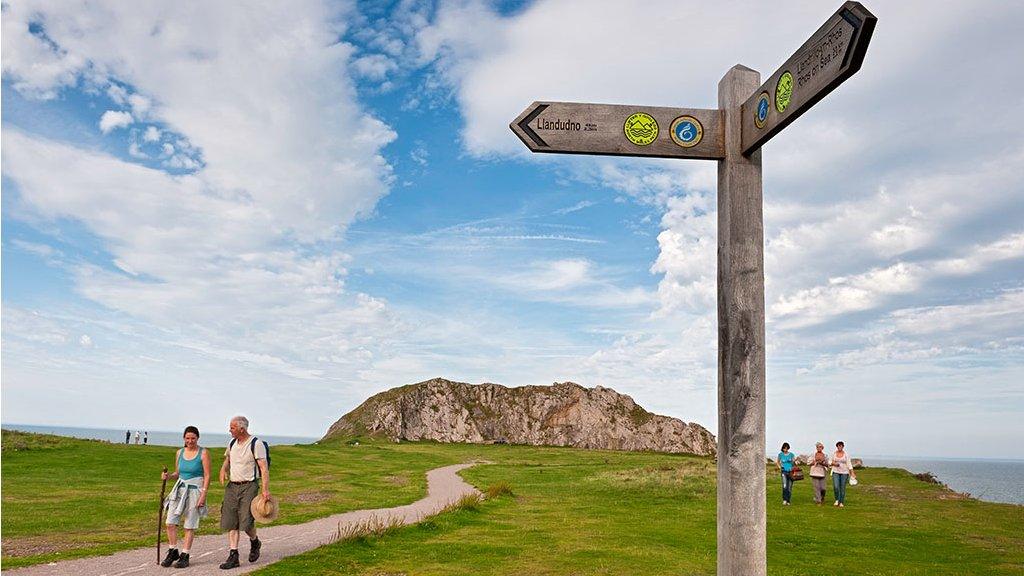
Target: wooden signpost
<point>609,129</point>
<point>749,114</point>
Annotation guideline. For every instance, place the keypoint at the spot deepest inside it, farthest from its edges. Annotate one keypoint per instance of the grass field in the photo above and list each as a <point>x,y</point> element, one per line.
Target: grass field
<point>570,512</point>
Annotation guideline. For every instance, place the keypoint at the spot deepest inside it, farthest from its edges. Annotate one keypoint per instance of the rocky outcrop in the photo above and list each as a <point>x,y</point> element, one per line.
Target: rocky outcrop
<point>563,414</point>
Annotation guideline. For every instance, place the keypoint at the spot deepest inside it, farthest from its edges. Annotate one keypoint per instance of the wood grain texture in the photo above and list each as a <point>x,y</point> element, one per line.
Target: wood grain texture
<point>741,355</point>
<point>581,128</point>
<point>830,56</point>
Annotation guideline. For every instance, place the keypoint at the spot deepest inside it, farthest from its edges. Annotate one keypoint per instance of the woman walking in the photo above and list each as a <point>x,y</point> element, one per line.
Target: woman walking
<point>819,467</point>
<point>842,469</point>
<point>785,463</point>
<point>186,503</point>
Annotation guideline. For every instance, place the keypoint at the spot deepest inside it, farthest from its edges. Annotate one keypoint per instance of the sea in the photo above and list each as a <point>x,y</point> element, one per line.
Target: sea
<point>988,480</point>
<point>156,437</point>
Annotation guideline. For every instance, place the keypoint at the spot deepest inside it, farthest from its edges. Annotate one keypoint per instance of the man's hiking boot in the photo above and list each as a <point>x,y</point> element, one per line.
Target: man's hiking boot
<point>254,549</point>
<point>172,555</point>
<point>231,562</point>
<point>182,561</point>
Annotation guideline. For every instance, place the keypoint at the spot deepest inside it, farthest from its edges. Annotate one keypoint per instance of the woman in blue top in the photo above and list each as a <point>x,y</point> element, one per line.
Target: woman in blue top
<point>187,500</point>
<point>785,464</point>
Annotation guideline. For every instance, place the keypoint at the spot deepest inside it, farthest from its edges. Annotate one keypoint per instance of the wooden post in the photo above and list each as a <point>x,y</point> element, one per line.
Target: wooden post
<point>741,400</point>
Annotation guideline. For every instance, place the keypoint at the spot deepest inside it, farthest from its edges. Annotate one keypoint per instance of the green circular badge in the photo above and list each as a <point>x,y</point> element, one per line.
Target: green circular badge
<point>641,128</point>
<point>784,91</point>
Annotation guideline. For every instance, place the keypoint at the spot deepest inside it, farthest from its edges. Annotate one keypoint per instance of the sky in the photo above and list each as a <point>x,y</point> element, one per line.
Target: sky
<point>280,209</point>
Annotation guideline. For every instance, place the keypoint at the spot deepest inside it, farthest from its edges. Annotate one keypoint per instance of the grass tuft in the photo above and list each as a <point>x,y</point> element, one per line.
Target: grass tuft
<point>372,527</point>
<point>468,502</point>
<point>498,489</point>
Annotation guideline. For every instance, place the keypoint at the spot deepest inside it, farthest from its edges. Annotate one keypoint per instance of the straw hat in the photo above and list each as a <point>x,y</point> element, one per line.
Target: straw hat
<point>264,510</point>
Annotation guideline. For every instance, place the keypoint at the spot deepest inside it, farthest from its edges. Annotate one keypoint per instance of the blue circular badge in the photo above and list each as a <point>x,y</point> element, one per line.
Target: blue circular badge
<point>761,112</point>
<point>686,131</point>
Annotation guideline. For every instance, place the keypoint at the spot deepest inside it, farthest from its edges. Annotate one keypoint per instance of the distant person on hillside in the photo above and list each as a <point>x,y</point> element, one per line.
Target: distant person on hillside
<point>127,436</point>
<point>186,503</point>
<point>245,465</point>
<point>145,438</point>
<point>785,463</point>
<point>842,469</point>
<point>137,437</point>
<point>819,469</point>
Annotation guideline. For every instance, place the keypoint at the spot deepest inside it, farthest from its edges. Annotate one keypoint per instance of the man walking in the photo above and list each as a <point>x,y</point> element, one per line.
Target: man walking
<point>245,467</point>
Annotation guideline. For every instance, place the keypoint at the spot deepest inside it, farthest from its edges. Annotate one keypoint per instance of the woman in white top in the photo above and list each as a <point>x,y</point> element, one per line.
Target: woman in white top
<point>842,469</point>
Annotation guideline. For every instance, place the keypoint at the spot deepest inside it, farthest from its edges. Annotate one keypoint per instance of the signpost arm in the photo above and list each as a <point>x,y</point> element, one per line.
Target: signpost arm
<point>741,398</point>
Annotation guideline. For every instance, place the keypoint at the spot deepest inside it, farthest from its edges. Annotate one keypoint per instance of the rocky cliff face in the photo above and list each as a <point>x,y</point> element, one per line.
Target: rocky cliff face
<point>563,414</point>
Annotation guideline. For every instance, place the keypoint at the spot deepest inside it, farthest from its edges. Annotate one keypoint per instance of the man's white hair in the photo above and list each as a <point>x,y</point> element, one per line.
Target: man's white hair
<point>242,421</point>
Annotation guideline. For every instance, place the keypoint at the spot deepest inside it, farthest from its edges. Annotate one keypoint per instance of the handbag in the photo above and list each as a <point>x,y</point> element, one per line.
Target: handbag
<point>796,474</point>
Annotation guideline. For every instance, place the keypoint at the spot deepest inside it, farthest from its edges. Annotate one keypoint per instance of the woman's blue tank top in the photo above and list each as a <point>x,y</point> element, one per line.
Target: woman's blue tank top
<point>193,468</point>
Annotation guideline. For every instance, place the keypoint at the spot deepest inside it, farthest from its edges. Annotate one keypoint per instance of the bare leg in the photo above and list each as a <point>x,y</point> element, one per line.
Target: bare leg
<point>233,539</point>
<point>252,533</point>
<point>172,535</point>
<point>189,535</point>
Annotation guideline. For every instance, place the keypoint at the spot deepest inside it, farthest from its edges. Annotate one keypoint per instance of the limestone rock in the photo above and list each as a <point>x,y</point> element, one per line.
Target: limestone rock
<point>563,414</point>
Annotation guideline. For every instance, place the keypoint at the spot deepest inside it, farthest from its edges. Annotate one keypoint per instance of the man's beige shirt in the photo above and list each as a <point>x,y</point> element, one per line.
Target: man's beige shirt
<point>243,465</point>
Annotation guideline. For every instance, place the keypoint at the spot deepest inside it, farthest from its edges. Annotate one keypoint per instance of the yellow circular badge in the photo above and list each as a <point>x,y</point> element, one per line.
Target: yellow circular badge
<point>641,128</point>
<point>686,131</point>
<point>783,91</point>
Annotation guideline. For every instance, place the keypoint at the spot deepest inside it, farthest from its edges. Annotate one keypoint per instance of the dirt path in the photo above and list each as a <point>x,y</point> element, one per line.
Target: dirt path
<point>444,486</point>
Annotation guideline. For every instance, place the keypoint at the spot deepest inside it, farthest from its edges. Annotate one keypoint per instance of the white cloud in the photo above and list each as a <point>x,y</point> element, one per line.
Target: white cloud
<point>871,289</point>
<point>140,106</point>
<point>113,119</point>
<point>420,155</point>
<point>118,94</point>
<point>221,268</point>
<point>576,207</point>
<point>44,251</point>
<point>38,68</point>
<point>208,270</point>
<point>870,212</point>
<point>374,66</point>
<point>218,88</point>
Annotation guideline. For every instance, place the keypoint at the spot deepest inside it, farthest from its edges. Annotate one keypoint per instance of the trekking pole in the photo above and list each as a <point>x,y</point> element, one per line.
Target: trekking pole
<point>160,515</point>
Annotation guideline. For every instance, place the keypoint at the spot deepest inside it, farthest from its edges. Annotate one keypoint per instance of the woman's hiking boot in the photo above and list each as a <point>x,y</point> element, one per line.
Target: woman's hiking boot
<point>182,561</point>
<point>172,555</point>
<point>254,549</point>
<point>231,562</point>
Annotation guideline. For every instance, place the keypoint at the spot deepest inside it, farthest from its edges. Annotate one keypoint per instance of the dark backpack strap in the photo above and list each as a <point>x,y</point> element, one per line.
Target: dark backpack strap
<point>255,463</point>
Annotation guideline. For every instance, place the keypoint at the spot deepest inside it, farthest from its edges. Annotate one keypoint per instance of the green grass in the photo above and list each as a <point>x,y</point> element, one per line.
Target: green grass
<point>65,498</point>
<point>552,511</point>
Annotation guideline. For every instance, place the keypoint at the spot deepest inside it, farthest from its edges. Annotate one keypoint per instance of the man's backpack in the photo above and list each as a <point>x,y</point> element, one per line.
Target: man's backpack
<point>252,447</point>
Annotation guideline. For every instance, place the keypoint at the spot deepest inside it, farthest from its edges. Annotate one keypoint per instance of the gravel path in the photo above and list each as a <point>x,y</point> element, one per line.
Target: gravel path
<point>444,486</point>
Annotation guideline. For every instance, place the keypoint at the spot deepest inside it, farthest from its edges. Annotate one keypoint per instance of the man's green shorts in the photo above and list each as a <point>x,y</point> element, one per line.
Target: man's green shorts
<point>236,511</point>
